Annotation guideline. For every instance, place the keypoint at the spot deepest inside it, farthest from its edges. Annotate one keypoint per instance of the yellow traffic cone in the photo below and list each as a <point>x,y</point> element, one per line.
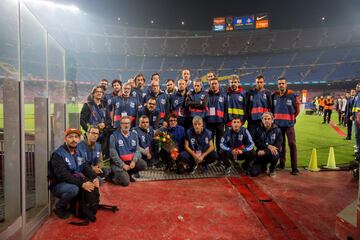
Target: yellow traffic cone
<point>331,164</point>
<point>313,165</point>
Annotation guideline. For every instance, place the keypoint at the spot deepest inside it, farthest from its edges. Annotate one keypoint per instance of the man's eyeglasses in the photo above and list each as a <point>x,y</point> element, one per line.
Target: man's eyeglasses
<point>172,120</point>
<point>152,103</point>
<point>125,123</point>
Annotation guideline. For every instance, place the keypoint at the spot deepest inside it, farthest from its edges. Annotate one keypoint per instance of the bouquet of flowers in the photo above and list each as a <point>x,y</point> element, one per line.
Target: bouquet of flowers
<point>165,142</point>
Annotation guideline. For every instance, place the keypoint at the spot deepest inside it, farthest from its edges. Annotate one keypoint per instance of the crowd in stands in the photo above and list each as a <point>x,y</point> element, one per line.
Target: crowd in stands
<point>182,128</point>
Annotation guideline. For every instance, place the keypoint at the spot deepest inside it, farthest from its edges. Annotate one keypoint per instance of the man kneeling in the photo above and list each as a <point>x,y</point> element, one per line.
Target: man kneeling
<point>268,140</point>
<point>199,148</point>
<point>236,144</point>
<point>69,172</point>
<point>125,156</point>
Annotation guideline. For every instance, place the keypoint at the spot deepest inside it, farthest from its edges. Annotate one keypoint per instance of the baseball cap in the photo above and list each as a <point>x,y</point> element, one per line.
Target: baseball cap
<point>72,130</point>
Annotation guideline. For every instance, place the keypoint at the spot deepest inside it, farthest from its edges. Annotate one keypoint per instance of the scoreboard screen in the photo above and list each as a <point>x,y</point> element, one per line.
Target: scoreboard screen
<point>246,22</point>
<point>231,23</point>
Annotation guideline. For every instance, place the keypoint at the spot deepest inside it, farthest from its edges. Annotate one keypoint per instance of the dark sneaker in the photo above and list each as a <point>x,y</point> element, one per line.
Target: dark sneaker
<point>132,179</point>
<point>137,175</point>
<point>204,169</point>
<point>227,171</point>
<point>348,138</point>
<point>294,172</point>
<point>62,213</point>
<point>280,166</point>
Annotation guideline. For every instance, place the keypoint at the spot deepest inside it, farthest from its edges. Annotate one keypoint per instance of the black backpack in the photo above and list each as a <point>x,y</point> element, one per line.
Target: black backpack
<point>86,205</point>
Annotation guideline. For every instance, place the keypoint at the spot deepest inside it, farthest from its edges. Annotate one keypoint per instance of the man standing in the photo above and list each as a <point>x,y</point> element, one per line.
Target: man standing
<point>162,101</point>
<point>95,113</point>
<point>126,105</point>
<point>139,91</point>
<point>125,157</point>
<point>151,112</point>
<point>199,147</point>
<point>286,107</point>
<point>196,102</point>
<point>177,102</point>
<point>170,87</point>
<point>348,113</point>
<point>236,144</point>
<point>329,102</point>
<point>268,140</point>
<point>215,119</point>
<point>185,74</point>
<point>116,85</point>
<point>68,173</point>
<point>356,117</point>
<point>258,101</point>
<point>236,100</point>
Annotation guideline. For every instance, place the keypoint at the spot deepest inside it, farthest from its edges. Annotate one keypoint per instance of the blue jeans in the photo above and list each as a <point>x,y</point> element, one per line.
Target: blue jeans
<point>65,192</point>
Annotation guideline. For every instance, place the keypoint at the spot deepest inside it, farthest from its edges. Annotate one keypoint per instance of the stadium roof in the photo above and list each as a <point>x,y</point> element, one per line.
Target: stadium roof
<point>198,14</point>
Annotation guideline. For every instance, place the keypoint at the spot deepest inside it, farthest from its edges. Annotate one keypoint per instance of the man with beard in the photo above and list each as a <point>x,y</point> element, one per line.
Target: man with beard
<point>125,157</point>
<point>286,107</point>
<point>177,102</point>
<point>125,105</point>
<point>268,140</point>
<point>69,173</point>
<point>258,101</point>
<point>236,101</point>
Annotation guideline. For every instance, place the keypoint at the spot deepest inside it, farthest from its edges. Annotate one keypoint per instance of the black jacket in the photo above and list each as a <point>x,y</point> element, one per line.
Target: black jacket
<point>59,171</point>
<point>263,138</point>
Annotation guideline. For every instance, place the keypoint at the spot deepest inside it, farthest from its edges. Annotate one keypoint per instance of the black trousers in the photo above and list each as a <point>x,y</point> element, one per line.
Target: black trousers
<point>327,113</point>
<point>349,128</point>
<point>217,130</point>
<point>260,164</point>
<point>227,158</point>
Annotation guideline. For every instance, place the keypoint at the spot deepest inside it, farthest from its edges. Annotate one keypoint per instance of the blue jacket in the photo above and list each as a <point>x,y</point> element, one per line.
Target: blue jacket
<point>356,105</point>
<point>154,117</point>
<point>90,155</point>
<point>139,94</point>
<point>198,142</point>
<point>232,140</point>
<point>162,104</point>
<point>125,146</point>
<point>92,114</point>
<point>124,106</point>
<point>349,106</point>
<point>177,134</point>
<point>236,104</point>
<point>145,138</point>
<point>196,103</point>
<point>69,168</point>
<point>258,102</point>
<point>177,104</point>
<point>217,107</point>
<point>263,138</point>
<point>285,108</point>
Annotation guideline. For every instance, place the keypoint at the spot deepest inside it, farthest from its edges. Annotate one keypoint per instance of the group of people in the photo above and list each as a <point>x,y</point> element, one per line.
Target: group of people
<point>184,128</point>
<point>343,106</point>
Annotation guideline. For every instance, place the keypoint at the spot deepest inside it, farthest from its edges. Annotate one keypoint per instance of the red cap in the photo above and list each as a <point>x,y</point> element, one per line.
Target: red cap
<point>72,130</point>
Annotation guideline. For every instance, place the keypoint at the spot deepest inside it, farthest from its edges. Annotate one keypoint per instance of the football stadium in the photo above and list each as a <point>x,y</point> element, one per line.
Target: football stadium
<point>164,119</point>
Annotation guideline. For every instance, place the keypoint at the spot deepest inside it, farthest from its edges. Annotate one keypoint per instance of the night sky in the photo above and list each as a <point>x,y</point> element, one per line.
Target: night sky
<point>198,14</point>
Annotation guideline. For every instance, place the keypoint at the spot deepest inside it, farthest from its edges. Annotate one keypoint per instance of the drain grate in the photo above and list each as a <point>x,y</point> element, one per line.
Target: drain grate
<point>154,174</point>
